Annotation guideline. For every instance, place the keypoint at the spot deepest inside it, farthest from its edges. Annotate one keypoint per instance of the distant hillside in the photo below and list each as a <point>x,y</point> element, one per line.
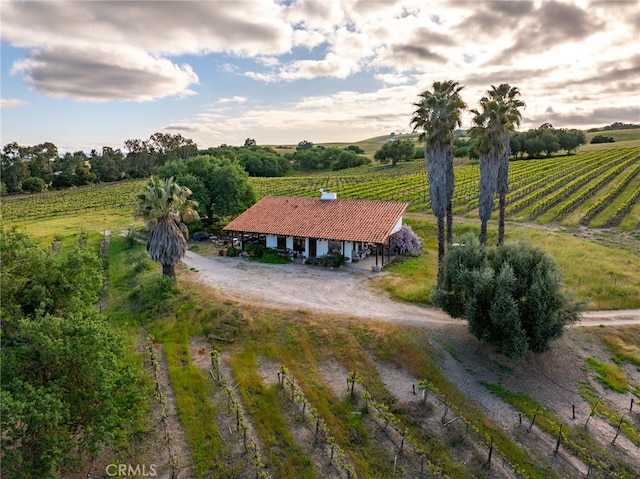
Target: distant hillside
<point>621,135</point>
<point>620,132</point>
<point>615,126</point>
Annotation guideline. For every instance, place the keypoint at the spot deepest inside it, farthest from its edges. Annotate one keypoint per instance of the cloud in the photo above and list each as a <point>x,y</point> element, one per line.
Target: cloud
<point>611,72</point>
<point>104,74</point>
<point>163,27</point>
<point>550,25</point>
<point>484,19</point>
<point>234,99</point>
<point>11,103</point>
<point>392,78</point>
<point>589,118</point>
<point>341,116</point>
<point>578,57</point>
<point>103,50</point>
<point>413,54</point>
<point>333,65</point>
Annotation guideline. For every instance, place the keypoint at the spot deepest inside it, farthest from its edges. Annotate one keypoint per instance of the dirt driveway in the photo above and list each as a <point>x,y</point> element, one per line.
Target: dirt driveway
<point>345,291</point>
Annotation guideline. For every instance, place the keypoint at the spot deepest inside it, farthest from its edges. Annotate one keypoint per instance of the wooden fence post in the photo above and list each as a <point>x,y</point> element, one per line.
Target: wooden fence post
<point>555,453</point>
<point>533,419</point>
<point>617,431</point>
<point>488,465</point>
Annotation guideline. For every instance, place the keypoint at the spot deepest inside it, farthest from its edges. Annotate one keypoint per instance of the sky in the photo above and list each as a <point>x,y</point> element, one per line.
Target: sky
<point>88,74</point>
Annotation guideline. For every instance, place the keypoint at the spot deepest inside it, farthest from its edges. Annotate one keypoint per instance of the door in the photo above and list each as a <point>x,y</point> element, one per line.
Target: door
<point>313,248</point>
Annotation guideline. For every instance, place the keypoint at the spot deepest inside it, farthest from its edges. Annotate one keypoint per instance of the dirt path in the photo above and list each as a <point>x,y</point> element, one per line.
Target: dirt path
<point>344,291</point>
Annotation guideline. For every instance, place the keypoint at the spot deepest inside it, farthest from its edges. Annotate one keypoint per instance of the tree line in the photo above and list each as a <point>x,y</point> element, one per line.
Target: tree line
<point>37,167</point>
<point>535,143</point>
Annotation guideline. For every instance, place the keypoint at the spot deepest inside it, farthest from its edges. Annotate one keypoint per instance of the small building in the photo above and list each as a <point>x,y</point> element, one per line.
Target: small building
<point>315,227</point>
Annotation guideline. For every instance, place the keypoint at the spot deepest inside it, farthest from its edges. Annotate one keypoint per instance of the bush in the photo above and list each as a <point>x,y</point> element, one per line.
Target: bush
<point>511,295</point>
<point>34,185</point>
<point>271,256</point>
<point>602,139</point>
<point>256,250</point>
<point>406,242</point>
<point>332,260</point>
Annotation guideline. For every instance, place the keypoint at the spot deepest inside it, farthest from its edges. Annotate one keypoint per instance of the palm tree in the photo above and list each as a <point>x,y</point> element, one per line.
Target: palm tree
<point>164,204</point>
<point>437,115</point>
<point>498,116</point>
<point>507,95</point>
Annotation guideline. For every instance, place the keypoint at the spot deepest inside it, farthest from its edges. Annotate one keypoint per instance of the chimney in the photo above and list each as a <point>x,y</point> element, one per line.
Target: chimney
<point>327,195</point>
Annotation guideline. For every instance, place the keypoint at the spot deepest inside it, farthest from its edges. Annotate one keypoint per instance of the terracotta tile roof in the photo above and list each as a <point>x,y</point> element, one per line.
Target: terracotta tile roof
<point>339,219</point>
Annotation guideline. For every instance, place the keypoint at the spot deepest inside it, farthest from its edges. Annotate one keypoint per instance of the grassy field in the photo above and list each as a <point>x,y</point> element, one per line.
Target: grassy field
<point>256,344</point>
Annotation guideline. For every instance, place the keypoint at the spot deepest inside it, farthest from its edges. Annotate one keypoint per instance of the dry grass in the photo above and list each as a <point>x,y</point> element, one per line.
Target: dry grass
<point>623,344</point>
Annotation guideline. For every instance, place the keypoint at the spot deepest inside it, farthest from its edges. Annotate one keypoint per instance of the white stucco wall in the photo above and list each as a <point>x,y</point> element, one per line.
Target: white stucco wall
<point>322,247</point>
<point>272,241</point>
<point>397,227</point>
<point>349,246</point>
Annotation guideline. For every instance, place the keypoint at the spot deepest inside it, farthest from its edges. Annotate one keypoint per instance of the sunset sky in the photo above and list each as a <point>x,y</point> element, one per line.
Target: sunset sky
<point>87,74</point>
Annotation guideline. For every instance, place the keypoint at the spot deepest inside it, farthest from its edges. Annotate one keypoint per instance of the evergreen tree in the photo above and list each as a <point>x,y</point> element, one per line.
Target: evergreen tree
<point>511,296</point>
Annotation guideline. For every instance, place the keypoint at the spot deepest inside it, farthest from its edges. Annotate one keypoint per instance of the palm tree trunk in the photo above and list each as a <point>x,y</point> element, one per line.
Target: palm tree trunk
<point>440,239</point>
<point>169,270</point>
<point>502,202</point>
<point>449,223</point>
<point>503,184</point>
<point>488,179</point>
<point>441,228</point>
<point>438,189</point>
<point>483,232</point>
<point>450,187</point>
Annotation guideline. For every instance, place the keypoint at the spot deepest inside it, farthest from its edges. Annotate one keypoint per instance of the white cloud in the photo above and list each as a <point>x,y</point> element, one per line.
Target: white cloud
<point>99,73</point>
<point>587,64</point>
<point>392,78</point>
<point>342,116</point>
<point>234,99</point>
<point>162,27</point>
<point>95,51</point>
<point>11,103</point>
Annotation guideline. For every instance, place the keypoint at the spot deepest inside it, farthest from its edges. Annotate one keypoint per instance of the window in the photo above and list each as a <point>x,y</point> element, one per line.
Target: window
<point>335,246</point>
<point>298,244</point>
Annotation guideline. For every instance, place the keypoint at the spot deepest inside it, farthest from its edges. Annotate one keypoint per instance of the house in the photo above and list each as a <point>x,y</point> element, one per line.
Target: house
<point>314,227</point>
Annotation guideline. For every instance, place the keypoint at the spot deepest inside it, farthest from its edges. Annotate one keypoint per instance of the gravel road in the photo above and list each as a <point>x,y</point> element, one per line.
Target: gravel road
<point>344,291</point>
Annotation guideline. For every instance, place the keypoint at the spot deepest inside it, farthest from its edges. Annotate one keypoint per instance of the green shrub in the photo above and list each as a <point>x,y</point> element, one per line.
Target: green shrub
<point>255,250</point>
<point>34,185</point>
<point>511,295</point>
<point>269,255</point>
